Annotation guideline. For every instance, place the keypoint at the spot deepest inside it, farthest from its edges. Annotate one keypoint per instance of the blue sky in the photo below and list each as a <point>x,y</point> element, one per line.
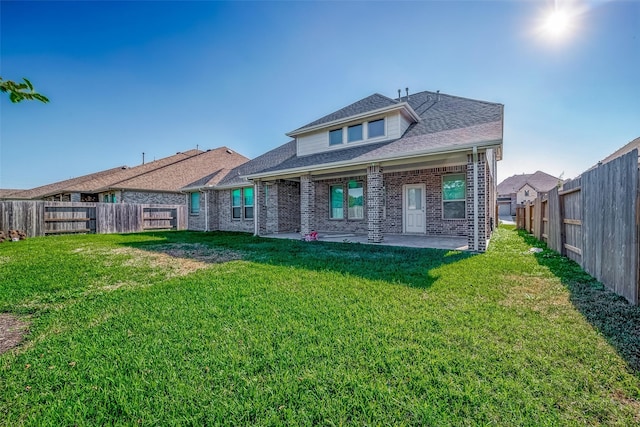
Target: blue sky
<point>162,77</point>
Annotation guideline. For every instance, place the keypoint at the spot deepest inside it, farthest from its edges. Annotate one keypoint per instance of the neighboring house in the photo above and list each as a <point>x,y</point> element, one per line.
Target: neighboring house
<point>6,193</point>
<point>421,164</point>
<point>160,181</point>
<point>621,151</point>
<point>518,189</point>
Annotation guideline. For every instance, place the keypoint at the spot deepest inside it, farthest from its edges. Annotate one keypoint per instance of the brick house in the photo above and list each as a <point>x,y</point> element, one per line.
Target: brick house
<point>160,181</point>
<point>518,189</point>
<point>421,164</point>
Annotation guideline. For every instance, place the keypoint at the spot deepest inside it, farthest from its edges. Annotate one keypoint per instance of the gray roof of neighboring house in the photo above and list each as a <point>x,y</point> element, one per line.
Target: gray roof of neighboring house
<point>540,181</point>
<point>623,150</point>
<point>446,123</point>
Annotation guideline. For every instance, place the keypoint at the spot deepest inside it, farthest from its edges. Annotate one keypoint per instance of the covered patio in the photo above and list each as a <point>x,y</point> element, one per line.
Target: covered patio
<point>404,240</point>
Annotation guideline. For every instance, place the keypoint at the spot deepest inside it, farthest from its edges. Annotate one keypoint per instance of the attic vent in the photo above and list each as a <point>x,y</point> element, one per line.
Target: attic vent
<point>208,150</point>
<point>125,167</point>
<point>229,151</point>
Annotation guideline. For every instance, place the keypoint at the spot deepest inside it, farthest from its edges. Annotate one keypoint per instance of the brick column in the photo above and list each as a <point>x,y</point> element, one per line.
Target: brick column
<point>482,203</point>
<point>259,206</point>
<point>375,203</point>
<point>307,204</point>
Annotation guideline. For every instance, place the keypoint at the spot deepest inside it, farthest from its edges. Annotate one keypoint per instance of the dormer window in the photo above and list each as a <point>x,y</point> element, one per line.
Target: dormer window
<point>354,133</point>
<point>376,128</point>
<point>335,137</point>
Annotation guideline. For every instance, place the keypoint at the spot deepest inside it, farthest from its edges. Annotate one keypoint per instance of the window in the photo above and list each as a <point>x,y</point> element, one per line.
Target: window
<point>354,133</point>
<point>105,198</point>
<point>248,202</point>
<point>526,193</point>
<point>356,199</point>
<point>453,197</point>
<point>236,203</point>
<point>335,137</point>
<point>336,210</point>
<point>195,203</point>
<point>376,128</point>
<point>242,203</point>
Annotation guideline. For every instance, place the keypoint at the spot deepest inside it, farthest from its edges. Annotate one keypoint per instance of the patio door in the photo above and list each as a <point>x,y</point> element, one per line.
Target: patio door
<point>413,207</point>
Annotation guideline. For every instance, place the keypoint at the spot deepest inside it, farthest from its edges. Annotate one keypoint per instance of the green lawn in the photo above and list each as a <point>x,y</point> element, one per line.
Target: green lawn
<point>221,328</point>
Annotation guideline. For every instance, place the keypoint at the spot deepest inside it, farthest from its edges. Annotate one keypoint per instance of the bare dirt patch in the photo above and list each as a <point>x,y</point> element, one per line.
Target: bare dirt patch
<point>12,330</point>
<point>536,293</point>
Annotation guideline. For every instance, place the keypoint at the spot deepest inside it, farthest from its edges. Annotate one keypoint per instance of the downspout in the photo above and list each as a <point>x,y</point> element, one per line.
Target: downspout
<point>256,209</point>
<point>475,199</point>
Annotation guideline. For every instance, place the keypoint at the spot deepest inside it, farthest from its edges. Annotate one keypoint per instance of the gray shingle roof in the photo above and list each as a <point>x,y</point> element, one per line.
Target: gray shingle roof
<point>446,122</point>
<point>268,160</point>
<point>369,103</point>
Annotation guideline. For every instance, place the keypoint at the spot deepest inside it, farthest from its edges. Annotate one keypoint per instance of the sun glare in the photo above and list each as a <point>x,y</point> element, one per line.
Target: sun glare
<point>561,21</point>
<point>557,24</point>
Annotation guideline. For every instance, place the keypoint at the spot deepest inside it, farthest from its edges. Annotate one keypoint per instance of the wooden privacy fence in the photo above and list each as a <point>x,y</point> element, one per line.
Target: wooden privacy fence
<point>38,218</point>
<point>594,220</point>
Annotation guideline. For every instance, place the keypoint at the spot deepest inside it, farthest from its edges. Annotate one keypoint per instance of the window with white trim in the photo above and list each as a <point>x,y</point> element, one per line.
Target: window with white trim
<point>242,203</point>
<point>355,197</point>
<point>354,133</point>
<point>375,128</point>
<point>335,137</point>
<point>336,202</point>
<point>454,196</point>
<point>195,203</point>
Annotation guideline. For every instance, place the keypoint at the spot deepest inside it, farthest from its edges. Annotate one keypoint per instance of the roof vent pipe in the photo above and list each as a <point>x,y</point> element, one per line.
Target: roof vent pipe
<point>438,95</point>
<point>399,92</point>
<point>407,89</point>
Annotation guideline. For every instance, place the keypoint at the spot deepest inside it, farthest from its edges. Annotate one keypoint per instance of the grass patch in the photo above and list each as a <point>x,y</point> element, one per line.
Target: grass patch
<point>224,328</point>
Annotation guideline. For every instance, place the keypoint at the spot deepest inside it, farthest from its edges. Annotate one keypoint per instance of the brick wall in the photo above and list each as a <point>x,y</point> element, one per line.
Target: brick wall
<point>196,221</point>
<point>432,178</point>
<point>375,204</point>
<point>282,207</point>
<point>148,197</point>
<point>289,202</point>
<point>323,223</point>
<point>213,217</point>
<point>483,202</point>
<point>307,204</point>
<point>225,222</point>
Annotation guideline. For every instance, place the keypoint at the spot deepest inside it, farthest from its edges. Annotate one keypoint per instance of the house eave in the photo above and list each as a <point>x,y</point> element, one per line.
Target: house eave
<point>348,163</point>
<point>403,106</point>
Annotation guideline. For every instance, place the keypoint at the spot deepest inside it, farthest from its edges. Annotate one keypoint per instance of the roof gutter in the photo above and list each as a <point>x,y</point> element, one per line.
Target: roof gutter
<point>309,169</point>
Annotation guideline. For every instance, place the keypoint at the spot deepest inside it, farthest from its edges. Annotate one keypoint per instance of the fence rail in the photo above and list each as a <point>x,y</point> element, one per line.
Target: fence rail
<point>38,218</point>
<point>594,220</point>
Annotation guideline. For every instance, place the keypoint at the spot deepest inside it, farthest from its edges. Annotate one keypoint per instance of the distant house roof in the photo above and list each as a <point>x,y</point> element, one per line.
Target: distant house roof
<point>6,193</point>
<point>540,181</point>
<point>204,169</point>
<point>623,150</point>
<point>193,168</point>
<point>447,123</point>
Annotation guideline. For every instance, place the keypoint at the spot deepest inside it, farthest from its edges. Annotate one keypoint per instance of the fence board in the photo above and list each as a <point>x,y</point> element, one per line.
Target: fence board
<point>39,218</point>
<point>554,223</point>
<point>610,240</point>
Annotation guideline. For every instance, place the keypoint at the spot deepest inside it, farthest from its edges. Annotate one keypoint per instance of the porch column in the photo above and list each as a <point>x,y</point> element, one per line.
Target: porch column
<point>375,203</point>
<point>260,208</point>
<point>477,197</point>
<point>307,204</point>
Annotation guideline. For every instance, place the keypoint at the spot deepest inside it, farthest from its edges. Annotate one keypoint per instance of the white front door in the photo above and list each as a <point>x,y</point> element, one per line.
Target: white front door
<point>413,206</point>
